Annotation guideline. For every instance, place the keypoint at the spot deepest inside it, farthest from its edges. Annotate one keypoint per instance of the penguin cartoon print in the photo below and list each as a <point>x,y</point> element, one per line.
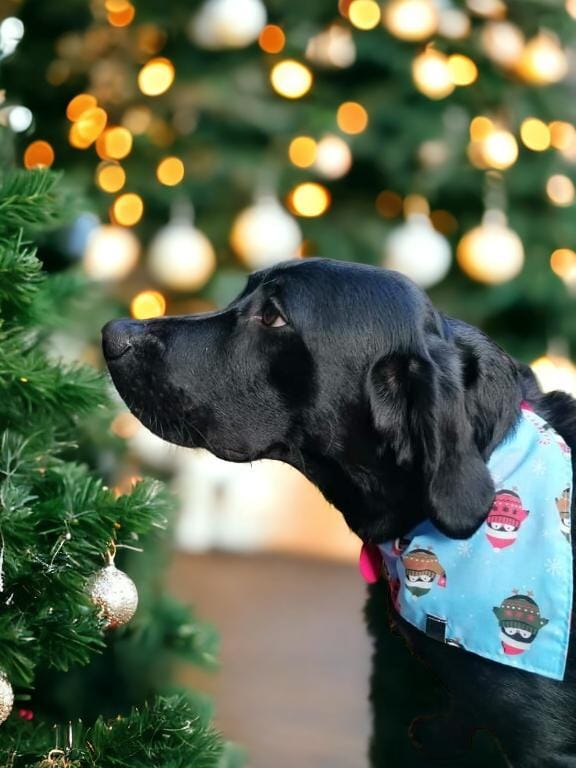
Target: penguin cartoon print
<point>563,506</point>
<point>423,571</point>
<point>520,622</point>
<point>505,519</point>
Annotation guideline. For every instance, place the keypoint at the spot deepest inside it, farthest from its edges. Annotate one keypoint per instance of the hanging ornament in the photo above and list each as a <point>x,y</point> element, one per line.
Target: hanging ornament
<point>180,256</point>
<point>543,61</point>
<point>503,42</point>
<point>228,23</point>
<point>491,253</point>
<point>417,250</point>
<point>431,74</point>
<point>111,253</point>
<point>265,234</point>
<point>114,593</point>
<point>333,157</point>
<point>6,697</point>
<point>412,20</point>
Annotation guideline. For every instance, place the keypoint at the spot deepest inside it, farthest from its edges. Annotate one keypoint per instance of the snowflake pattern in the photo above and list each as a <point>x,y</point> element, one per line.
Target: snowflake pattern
<point>538,467</point>
<point>554,566</point>
<point>464,548</point>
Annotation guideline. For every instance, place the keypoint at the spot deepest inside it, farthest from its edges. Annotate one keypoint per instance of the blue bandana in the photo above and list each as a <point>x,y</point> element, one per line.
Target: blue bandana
<point>506,592</point>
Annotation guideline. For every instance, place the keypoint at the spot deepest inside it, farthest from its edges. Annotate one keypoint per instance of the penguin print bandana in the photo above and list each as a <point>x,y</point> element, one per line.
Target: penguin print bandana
<point>506,592</point>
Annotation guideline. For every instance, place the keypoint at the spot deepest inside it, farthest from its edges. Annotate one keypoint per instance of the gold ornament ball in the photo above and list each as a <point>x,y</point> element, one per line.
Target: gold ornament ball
<point>115,594</point>
<point>6,697</point>
<point>181,257</point>
<point>491,253</point>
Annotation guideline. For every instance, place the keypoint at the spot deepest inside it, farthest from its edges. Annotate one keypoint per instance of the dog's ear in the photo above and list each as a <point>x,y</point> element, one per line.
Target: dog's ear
<point>418,408</point>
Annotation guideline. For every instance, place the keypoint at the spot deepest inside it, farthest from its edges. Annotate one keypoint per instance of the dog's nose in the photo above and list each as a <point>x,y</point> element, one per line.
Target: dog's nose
<point>118,337</point>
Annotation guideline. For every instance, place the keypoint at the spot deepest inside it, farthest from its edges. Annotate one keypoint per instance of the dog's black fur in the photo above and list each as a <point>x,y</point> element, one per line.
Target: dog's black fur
<point>391,408</point>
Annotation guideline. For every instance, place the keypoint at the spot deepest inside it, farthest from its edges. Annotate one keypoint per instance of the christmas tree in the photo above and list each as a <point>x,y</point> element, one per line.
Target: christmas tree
<point>334,119</point>
<point>62,595</point>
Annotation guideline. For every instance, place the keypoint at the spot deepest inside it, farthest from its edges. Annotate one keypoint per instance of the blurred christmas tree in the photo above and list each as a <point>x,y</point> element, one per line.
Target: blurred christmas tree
<point>457,115</point>
<point>61,601</point>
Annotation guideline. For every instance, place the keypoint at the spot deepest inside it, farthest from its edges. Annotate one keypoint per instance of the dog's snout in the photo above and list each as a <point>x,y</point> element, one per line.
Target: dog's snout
<point>118,337</point>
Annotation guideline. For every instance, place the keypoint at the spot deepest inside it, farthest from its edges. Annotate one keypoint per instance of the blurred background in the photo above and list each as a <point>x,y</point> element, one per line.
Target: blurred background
<point>202,140</point>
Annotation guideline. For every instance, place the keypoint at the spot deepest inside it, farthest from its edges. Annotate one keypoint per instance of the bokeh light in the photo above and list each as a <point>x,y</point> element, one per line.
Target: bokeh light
<point>412,20</point>
<point>543,61</point>
<point>170,171</point>
<point>352,117</point>
<point>431,74</point>
<point>80,104</point>
<point>137,120</point>
<point>125,425</point>
<point>156,77</point>
<point>272,39</point>
<point>114,143</point>
<point>333,157</point>
<point>110,177</point>
<point>462,69</point>
<point>364,14</point>
<point>563,263</point>
<point>291,79</point>
<point>555,372</point>
<point>389,204</point>
<point>89,126</point>
<point>310,199</point>
<point>302,151</point>
<point>122,18</point>
<point>499,150</point>
<point>535,134</point>
<point>39,154</point>
<point>560,190</point>
<point>480,128</point>
<point>127,209</point>
<point>147,304</point>
<point>562,134</point>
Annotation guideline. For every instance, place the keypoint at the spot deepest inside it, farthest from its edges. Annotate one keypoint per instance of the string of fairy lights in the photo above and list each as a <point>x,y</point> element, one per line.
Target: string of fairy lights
<point>181,258</point>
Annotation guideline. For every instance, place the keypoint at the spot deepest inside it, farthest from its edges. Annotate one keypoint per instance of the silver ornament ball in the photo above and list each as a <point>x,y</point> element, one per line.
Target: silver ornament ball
<point>115,594</point>
<point>6,697</point>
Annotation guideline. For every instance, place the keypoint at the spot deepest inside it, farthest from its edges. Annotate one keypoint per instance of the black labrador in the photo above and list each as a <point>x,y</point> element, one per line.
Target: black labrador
<point>391,408</point>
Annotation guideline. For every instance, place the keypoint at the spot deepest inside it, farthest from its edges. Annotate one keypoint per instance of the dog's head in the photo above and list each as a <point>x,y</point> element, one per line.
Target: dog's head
<point>348,373</point>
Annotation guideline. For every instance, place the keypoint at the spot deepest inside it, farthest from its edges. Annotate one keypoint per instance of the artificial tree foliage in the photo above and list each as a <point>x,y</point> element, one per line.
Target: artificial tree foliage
<point>57,519</point>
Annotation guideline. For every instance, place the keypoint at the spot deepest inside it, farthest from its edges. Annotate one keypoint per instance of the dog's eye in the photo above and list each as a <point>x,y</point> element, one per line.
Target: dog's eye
<point>271,316</point>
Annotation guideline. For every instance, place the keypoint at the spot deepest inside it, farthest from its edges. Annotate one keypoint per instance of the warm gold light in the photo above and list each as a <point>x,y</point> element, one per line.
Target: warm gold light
<point>563,263</point>
<point>543,61</point>
<point>110,177</point>
<point>170,171</point>
<point>491,253</point>
<point>480,128</point>
<point>333,157</point>
<point>39,154</point>
<point>352,117</point>
<point>78,105</point>
<point>310,199</point>
<point>147,304</point>
<point>562,134</point>
<point>302,151</point>
<point>89,125</point>
<point>462,69</point>
<point>389,204</point>
<point>125,425</point>
<point>122,18</point>
<point>560,190</point>
<point>412,20</point>
<point>115,143</point>
<point>431,74</point>
<point>364,14</point>
<point>76,140</point>
<point>127,209</point>
<point>272,39</point>
<point>111,253</point>
<point>116,6</point>
<point>555,372</point>
<point>156,76</point>
<point>499,150</point>
<point>535,134</point>
<point>291,79</point>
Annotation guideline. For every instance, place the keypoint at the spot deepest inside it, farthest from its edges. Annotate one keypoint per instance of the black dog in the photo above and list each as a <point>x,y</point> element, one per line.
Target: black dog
<point>349,374</point>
